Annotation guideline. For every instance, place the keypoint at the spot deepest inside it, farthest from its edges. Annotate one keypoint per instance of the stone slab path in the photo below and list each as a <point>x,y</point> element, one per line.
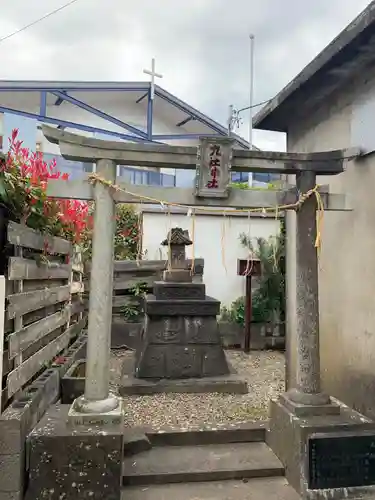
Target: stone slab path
<point>173,464</point>
<point>256,489</point>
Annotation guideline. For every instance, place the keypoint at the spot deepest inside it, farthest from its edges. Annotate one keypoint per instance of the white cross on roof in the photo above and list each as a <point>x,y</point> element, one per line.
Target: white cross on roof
<point>153,74</point>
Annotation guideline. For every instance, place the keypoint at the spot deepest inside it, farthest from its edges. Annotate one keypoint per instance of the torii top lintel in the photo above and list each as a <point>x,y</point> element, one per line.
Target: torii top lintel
<point>79,148</point>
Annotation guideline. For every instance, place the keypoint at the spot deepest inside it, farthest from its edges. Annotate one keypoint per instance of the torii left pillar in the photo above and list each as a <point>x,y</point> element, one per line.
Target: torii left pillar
<point>97,399</point>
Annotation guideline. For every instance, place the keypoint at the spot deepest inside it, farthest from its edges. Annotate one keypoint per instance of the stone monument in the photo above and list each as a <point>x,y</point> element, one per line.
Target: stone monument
<point>181,337</point>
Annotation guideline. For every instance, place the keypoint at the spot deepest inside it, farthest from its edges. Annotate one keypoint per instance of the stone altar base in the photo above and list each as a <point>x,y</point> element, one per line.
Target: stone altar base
<point>225,384</point>
<point>74,463</point>
<point>326,454</point>
<point>181,336</point>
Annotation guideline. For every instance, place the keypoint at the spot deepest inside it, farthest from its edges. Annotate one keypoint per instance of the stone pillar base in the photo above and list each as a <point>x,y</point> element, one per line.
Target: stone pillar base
<point>107,412</point>
<point>84,462</point>
<point>291,427</point>
<point>301,410</point>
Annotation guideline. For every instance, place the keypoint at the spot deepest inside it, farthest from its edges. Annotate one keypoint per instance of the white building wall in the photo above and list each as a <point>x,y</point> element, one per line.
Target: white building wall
<point>216,241</point>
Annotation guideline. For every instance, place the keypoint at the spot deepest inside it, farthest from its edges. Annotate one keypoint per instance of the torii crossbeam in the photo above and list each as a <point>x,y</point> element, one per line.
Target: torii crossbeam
<point>213,160</point>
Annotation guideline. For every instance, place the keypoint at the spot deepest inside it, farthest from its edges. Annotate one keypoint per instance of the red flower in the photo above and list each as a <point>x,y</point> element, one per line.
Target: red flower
<point>67,218</point>
<point>59,360</point>
<point>14,134</point>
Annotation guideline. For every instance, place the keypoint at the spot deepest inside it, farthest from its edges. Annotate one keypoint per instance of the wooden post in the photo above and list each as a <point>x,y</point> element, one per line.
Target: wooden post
<point>244,269</point>
<point>248,313</point>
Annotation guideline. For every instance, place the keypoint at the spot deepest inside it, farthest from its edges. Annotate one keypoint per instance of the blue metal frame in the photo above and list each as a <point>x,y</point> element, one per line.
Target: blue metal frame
<point>61,93</point>
<point>166,137</point>
<point>101,114</point>
<point>66,124</point>
<point>192,114</point>
<point>59,101</point>
<point>142,97</point>
<point>184,122</point>
<point>43,103</point>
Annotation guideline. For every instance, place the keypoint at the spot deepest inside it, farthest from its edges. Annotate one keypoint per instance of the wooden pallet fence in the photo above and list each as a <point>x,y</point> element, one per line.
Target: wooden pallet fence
<point>129,273</point>
<point>44,310</point>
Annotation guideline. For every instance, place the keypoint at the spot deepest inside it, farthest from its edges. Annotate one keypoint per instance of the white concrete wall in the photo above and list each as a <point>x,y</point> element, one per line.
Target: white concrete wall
<point>212,234</point>
<point>347,265</point>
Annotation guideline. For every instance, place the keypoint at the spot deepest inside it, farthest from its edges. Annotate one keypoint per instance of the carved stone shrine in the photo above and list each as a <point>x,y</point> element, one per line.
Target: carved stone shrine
<point>181,336</point>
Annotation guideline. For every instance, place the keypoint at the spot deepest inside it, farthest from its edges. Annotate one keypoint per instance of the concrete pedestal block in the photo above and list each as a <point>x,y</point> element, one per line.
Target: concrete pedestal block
<point>288,437</point>
<point>177,347</point>
<point>70,463</point>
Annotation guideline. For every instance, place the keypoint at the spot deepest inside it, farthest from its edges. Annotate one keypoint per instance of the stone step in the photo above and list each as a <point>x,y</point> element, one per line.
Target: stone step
<point>219,462</point>
<point>214,434</point>
<point>273,488</point>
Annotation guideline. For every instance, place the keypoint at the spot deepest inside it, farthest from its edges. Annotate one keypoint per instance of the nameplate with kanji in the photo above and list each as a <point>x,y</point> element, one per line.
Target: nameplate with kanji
<point>214,163</point>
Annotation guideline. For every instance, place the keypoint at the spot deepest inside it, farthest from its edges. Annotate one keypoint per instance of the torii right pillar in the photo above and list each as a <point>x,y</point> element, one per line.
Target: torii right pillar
<point>320,441</point>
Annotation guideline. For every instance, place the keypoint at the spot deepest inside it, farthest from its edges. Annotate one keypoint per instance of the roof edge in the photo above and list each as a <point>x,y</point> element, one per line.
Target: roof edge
<point>341,41</point>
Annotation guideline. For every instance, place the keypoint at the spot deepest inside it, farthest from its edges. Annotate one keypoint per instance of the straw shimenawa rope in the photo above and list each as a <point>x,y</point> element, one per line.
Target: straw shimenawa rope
<point>192,268</point>
<point>93,178</point>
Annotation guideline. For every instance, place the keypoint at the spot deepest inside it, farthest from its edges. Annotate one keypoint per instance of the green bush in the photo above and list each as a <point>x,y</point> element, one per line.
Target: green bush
<point>127,235</point>
<point>236,312</point>
<point>269,298</point>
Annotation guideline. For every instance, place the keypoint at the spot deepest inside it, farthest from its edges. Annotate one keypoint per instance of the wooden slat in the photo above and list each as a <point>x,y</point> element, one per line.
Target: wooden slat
<point>32,285</point>
<point>22,303</point>
<point>142,265</point>
<point>8,325</point>
<point>23,373</point>
<point>7,363</point>
<point>20,268</point>
<point>125,283</point>
<point>140,274</point>
<point>39,314</point>
<point>22,339</point>
<point>4,399</point>
<point>123,300</point>
<point>9,287</point>
<point>18,288</point>
<point>147,265</point>
<point>24,236</point>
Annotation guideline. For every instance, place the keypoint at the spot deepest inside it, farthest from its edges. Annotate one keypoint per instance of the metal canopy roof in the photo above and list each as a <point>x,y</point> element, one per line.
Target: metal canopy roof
<point>39,99</point>
<point>351,52</point>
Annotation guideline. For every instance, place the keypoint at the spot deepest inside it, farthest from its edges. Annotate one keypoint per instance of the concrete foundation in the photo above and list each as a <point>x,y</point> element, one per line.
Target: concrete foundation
<point>74,463</point>
<point>288,436</point>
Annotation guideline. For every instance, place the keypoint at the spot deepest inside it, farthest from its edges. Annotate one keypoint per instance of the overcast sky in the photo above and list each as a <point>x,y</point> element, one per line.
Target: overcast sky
<point>201,46</point>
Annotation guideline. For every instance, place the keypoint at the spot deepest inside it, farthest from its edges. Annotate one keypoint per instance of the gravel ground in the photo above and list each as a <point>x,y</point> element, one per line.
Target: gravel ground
<point>264,372</point>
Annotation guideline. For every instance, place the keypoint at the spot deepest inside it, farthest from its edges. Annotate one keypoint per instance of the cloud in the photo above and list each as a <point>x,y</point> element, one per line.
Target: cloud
<point>201,46</point>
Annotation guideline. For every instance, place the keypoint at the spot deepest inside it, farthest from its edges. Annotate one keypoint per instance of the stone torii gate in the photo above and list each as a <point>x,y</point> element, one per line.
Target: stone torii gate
<point>213,160</point>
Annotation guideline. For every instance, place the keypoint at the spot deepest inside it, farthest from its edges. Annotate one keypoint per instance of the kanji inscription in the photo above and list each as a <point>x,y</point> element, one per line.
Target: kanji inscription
<point>214,167</point>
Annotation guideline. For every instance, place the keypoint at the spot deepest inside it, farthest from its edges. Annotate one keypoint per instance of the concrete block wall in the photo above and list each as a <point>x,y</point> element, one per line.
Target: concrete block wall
<point>15,423</point>
<point>21,417</point>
